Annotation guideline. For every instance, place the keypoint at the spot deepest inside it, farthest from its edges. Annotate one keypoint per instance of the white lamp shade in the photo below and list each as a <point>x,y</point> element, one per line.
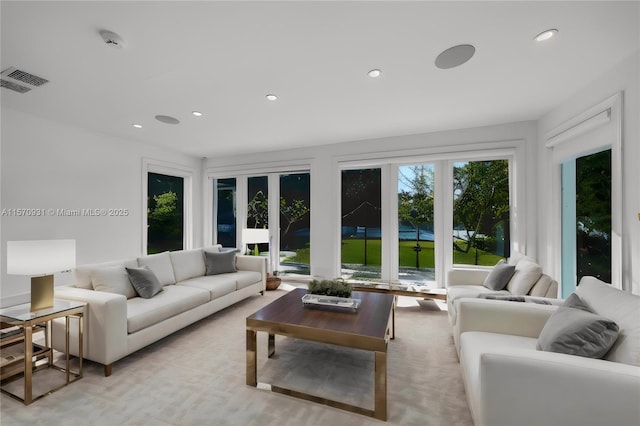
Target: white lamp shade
<point>254,236</point>
<point>39,257</point>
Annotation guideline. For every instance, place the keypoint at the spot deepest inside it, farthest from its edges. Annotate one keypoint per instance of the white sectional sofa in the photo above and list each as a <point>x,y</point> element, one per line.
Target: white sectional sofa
<point>119,322</point>
<point>508,381</point>
<point>528,283</point>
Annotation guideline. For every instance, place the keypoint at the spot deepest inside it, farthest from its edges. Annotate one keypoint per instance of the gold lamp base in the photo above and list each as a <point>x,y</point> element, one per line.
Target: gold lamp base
<point>41,292</point>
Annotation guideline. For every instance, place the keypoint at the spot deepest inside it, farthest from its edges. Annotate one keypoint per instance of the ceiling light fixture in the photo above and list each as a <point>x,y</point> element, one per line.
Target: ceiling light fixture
<point>196,113</point>
<point>137,126</point>
<point>546,35</point>
<point>375,73</point>
<point>272,97</point>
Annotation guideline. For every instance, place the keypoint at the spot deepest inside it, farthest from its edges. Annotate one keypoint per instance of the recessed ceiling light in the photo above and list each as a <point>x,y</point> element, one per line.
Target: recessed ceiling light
<point>374,73</point>
<point>455,56</point>
<point>272,97</point>
<point>545,35</point>
<point>196,113</point>
<point>137,126</point>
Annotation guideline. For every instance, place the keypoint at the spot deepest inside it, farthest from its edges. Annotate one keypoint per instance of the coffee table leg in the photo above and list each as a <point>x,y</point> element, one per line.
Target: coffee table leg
<point>380,408</point>
<point>272,345</point>
<point>252,365</point>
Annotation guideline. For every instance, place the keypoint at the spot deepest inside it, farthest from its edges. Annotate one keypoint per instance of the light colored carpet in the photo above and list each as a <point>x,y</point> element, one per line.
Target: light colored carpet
<point>197,377</point>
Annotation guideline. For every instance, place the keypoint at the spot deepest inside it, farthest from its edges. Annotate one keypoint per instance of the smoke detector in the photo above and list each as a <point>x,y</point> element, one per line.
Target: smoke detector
<point>112,39</point>
<point>20,81</point>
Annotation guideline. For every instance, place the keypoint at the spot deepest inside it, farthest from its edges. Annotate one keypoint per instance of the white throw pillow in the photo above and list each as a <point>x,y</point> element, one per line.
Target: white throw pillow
<point>526,275</point>
<point>113,279</point>
<point>187,264</point>
<point>161,266</point>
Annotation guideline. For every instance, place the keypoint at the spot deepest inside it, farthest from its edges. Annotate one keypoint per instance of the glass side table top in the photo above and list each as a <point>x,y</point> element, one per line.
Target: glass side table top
<point>23,312</point>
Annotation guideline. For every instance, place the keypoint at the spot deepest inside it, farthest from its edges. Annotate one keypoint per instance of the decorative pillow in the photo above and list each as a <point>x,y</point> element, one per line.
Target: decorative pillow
<point>112,279</point>
<point>220,263</point>
<point>144,281</point>
<point>574,301</point>
<point>575,331</point>
<point>525,276</point>
<point>499,276</point>
<point>161,266</point>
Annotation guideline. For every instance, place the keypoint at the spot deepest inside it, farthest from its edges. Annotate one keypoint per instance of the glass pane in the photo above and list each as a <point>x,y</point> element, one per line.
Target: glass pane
<point>165,213</point>
<point>225,210</point>
<point>416,256</point>
<point>361,251</point>
<point>593,216</point>
<point>480,212</point>
<point>295,223</point>
<point>257,207</point>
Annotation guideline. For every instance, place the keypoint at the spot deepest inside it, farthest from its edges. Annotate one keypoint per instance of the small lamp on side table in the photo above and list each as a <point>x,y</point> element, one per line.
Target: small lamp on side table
<point>42,258</point>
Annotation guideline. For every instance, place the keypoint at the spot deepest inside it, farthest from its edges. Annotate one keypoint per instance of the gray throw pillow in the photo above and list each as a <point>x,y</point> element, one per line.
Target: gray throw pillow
<point>499,276</point>
<point>220,263</point>
<point>574,301</point>
<point>144,281</point>
<point>577,331</point>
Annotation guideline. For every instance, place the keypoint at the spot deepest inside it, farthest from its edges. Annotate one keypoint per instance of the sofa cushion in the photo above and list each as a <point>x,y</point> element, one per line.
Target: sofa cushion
<point>160,264</point>
<point>144,281</point>
<point>574,330</point>
<point>82,273</point>
<point>499,276</point>
<point>173,300</point>
<point>187,264</point>
<point>246,278</point>
<point>216,285</point>
<point>524,277</point>
<point>220,263</point>
<point>460,291</point>
<point>621,307</point>
<point>112,279</point>
<point>541,286</point>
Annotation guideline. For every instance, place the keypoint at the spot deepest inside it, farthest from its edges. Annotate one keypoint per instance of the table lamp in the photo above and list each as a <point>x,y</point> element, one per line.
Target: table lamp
<point>254,236</point>
<point>41,258</point>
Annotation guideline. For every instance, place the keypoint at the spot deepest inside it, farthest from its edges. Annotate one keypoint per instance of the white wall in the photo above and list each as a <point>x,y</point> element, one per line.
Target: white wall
<point>48,165</point>
<point>325,190</point>
<point>623,77</point>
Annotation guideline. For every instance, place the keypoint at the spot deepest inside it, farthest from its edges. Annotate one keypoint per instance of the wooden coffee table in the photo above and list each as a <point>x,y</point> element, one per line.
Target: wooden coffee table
<point>368,329</point>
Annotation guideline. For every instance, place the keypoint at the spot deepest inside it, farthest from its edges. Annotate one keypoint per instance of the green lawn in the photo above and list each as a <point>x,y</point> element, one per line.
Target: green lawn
<point>353,253</point>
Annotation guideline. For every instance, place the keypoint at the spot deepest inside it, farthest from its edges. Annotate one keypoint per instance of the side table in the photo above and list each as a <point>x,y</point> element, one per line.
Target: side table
<point>23,363</point>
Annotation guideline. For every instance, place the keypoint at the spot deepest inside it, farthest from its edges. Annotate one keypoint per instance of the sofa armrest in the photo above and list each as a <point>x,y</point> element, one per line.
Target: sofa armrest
<point>466,276</point>
<point>556,389</point>
<point>252,263</point>
<point>105,324</point>
<point>499,316</point>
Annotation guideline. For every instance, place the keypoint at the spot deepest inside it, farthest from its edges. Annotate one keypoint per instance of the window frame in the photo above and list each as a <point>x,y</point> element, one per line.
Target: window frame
<point>578,136</point>
<point>150,165</point>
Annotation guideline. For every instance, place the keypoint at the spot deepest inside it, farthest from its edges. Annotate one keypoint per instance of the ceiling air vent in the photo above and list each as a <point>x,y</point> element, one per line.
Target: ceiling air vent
<point>20,81</point>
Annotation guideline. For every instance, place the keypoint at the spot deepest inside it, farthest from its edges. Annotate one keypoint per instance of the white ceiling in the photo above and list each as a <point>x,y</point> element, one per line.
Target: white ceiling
<point>222,58</point>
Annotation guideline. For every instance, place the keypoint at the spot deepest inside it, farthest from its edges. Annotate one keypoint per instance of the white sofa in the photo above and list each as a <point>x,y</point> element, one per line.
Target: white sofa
<point>118,322</point>
<point>528,282</point>
<point>509,382</point>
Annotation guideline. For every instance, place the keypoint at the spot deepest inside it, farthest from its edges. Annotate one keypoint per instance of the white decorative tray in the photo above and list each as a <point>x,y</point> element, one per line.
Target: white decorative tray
<point>338,302</point>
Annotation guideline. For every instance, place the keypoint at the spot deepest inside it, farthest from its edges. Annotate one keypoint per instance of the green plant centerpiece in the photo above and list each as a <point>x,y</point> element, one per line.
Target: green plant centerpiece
<point>337,288</point>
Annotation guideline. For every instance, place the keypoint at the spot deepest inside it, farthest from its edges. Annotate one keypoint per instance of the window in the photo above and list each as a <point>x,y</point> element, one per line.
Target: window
<point>224,205</point>
<point>295,223</point>
<point>165,213</point>
<point>416,242</point>
<point>361,249</point>
<point>480,212</point>
<point>258,206</point>
<point>586,217</point>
